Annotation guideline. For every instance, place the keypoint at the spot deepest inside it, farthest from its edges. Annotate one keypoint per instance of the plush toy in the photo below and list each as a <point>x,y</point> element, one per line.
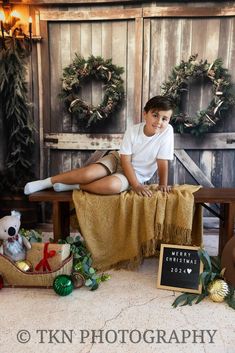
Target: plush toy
<point>14,245</point>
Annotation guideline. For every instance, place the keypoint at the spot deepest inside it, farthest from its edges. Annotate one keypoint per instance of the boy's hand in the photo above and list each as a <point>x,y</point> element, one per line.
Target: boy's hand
<point>165,188</point>
<point>142,190</point>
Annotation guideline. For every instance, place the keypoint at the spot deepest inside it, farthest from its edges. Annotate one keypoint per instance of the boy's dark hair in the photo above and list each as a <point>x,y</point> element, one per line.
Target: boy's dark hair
<point>159,102</point>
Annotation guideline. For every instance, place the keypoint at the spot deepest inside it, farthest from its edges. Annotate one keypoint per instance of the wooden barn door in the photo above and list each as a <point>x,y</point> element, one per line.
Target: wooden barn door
<point>108,33</point>
<point>148,43</point>
<point>172,35</point>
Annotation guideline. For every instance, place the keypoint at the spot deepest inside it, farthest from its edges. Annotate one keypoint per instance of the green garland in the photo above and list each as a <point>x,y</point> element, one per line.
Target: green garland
<point>82,71</point>
<point>15,109</point>
<point>222,99</point>
<point>82,263</point>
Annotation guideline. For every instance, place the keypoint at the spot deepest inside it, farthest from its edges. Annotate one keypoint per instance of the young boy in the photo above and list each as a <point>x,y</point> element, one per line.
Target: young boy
<point>146,147</point>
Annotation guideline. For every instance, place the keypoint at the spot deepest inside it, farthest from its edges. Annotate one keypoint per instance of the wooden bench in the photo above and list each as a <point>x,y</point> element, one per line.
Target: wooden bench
<point>223,196</point>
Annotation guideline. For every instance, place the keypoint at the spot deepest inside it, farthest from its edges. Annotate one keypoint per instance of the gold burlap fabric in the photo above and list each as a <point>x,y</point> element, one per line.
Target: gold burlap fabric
<point>120,230</point>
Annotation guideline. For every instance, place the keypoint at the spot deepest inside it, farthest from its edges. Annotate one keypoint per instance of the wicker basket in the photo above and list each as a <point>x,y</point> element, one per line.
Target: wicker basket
<point>14,277</point>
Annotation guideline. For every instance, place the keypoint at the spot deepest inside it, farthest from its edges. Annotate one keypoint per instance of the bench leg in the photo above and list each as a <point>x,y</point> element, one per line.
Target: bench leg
<point>226,224</point>
<point>61,220</point>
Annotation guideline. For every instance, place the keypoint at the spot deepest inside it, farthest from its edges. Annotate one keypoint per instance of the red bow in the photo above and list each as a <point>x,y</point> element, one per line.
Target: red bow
<point>12,239</point>
<point>44,263</point>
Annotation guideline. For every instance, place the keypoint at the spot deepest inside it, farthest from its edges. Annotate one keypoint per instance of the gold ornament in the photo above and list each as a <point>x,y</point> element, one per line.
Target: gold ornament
<point>24,265</point>
<point>78,280</point>
<point>218,290</point>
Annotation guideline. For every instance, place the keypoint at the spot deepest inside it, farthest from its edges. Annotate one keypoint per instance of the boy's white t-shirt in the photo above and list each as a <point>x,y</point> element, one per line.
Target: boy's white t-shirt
<point>145,150</point>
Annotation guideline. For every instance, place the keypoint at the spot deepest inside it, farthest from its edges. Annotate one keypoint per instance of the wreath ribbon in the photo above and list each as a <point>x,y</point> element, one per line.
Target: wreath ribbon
<point>46,255</point>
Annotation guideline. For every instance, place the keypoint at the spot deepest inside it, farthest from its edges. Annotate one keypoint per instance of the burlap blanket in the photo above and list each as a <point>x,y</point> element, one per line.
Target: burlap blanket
<point>120,230</point>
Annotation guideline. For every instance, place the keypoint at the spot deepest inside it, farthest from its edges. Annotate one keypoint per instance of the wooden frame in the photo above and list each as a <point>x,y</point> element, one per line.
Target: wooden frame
<point>88,141</point>
<point>95,15</point>
<point>160,268</point>
<point>90,15</point>
<point>74,2</point>
<point>74,141</point>
<point>188,11</point>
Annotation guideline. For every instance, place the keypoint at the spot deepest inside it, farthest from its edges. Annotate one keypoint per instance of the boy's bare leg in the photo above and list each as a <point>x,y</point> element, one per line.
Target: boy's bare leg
<point>108,185</point>
<point>74,177</point>
<point>84,175</point>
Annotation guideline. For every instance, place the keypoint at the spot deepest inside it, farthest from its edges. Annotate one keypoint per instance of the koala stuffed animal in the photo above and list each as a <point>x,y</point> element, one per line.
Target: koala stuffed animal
<point>14,245</point>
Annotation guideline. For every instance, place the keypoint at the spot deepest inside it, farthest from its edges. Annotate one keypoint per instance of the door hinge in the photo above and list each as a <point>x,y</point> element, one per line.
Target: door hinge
<point>230,141</point>
<point>51,139</point>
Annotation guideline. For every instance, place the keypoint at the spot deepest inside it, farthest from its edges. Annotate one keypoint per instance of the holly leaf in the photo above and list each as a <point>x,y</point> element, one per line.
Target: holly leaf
<point>69,240</point>
<point>200,297</point>
<point>204,278</point>
<point>91,270</point>
<point>216,265</point>
<point>88,282</point>
<point>205,258</point>
<point>231,302</point>
<point>180,299</point>
<point>190,299</point>
<point>185,299</point>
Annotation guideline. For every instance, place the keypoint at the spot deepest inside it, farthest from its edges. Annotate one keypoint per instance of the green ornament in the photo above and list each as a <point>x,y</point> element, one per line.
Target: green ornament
<point>63,285</point>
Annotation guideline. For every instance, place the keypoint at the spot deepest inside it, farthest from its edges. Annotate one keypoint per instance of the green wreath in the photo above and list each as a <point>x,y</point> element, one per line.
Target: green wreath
<point>82,71</point>
<point>222,99</point>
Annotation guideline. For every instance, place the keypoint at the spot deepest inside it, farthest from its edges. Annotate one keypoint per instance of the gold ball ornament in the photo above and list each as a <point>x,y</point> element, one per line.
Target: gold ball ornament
<point>24,265</point>
<point>218,290</point>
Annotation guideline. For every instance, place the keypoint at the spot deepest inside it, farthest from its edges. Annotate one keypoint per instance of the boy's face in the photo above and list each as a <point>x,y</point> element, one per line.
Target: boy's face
<point>156,121</point>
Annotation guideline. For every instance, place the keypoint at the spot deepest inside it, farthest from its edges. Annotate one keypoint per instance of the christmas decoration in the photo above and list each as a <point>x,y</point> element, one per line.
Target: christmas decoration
<point>33,236</point>
<point>17,122</point>
<point>213,284</point>
<point>94,68</point>
<point>221,90</point>
<point>218,290</point>
<point>48,256</point>
<point>14,245</point>
<point>43,264</point>
<point>83,263</point>
<point>24,265</point>
<point>78,280</point>
<point>63,285</point>
<point>79,273</point>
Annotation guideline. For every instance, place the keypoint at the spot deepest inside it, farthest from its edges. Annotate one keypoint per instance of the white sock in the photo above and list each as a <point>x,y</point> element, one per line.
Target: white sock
<point>37,185</point>
<point>58,187</point>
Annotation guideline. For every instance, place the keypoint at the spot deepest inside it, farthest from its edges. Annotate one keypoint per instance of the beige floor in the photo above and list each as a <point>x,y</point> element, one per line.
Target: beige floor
<point>129,301</point>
